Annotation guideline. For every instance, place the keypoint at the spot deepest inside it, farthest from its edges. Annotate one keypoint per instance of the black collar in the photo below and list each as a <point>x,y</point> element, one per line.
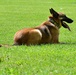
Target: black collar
<point>54,22</point>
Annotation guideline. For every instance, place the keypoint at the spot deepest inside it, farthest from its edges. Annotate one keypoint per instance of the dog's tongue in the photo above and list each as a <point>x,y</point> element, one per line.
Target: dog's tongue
<point>66,26</point>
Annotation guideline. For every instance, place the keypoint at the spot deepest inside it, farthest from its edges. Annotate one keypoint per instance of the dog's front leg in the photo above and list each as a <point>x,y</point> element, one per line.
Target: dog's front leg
<point>55,40</point>
<point>55,37</point>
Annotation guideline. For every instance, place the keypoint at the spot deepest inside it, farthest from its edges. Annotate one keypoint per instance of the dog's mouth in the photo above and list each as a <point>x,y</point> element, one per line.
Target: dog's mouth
<point>64,24</point>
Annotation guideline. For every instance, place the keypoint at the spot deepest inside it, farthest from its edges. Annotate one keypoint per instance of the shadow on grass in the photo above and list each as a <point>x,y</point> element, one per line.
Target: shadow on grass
<point>68,43</point>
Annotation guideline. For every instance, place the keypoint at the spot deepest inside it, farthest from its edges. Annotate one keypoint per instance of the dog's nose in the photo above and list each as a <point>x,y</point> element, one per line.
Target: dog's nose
<point>70,20</point>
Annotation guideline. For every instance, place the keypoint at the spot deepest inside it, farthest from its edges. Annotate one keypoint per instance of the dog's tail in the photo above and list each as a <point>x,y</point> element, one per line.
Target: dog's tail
<point>6,45</point>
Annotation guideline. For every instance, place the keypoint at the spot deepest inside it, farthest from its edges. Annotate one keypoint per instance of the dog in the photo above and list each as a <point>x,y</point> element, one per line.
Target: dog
<point>47,32</point>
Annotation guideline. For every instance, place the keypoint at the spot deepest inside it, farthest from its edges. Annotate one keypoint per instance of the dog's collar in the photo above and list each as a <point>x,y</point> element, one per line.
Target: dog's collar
<point>54,22</point>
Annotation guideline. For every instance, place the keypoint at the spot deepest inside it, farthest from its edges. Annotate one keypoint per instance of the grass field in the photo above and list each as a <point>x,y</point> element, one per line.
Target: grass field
<point>49,59</point>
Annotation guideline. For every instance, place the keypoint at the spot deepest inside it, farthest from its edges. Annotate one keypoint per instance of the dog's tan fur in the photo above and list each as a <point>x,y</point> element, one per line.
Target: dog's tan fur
<point>37,35</point>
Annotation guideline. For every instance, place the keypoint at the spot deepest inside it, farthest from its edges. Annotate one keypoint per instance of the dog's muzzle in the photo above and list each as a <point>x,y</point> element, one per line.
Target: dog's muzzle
<point>68,20</point>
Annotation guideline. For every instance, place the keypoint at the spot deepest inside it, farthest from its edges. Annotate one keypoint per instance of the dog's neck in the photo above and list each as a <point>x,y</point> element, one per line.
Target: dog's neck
<point>52,20</point>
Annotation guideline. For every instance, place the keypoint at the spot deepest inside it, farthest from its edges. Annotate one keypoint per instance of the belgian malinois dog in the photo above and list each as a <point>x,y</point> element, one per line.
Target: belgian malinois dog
<point>47,32</point>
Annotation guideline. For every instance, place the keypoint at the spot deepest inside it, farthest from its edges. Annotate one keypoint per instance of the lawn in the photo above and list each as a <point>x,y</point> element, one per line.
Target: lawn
<point>49,59</point>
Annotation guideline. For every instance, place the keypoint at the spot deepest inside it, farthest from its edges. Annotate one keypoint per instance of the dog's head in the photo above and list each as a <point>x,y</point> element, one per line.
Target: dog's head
<point>61,17</point>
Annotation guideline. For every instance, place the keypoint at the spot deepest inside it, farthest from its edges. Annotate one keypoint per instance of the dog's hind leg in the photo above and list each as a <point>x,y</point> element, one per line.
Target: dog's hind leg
<point>34,37</point>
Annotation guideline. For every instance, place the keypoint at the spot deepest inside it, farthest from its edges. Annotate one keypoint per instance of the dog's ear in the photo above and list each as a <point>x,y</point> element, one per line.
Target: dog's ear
<point>54,13</point>
<point>65,26</point>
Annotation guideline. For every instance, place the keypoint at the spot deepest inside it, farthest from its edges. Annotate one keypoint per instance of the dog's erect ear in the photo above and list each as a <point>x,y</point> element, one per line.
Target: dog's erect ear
<point>54,13</point>
<point>65,26</point>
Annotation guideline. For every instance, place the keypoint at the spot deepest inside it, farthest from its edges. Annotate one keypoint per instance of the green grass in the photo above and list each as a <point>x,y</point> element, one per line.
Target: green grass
<point>49,59</point>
